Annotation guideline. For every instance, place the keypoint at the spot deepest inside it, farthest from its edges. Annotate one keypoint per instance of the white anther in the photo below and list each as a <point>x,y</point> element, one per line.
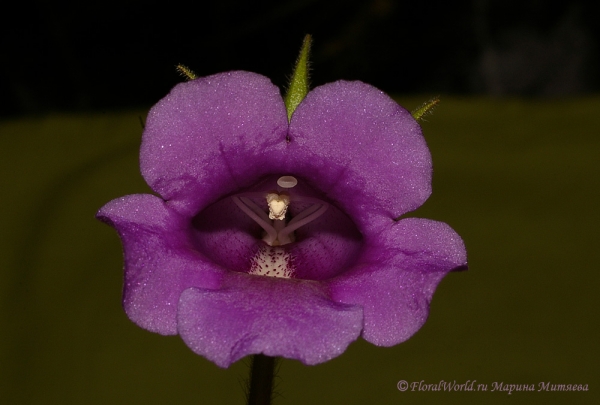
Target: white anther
<point>287,182</point>
<point>278,205</point>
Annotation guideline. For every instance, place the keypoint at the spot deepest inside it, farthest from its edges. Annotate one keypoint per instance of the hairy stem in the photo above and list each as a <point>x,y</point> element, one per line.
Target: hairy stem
<point>261,380</point>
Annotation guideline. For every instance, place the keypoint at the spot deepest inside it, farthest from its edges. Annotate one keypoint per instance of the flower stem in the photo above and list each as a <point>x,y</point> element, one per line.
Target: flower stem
<point>261,380</point>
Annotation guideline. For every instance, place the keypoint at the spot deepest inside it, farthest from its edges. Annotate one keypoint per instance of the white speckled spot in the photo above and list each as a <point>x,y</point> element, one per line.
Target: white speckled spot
<point>272,261</point>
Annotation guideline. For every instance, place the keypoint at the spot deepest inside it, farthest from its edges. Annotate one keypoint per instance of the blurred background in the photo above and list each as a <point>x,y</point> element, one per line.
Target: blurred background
<point>515,147</point>
<point>59,56</point>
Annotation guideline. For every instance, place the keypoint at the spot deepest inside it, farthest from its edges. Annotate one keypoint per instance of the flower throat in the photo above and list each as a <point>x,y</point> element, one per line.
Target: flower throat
<point>277,224</point>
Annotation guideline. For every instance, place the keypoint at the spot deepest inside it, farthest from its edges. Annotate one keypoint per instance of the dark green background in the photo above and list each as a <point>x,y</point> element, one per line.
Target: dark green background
<point>517,179</point>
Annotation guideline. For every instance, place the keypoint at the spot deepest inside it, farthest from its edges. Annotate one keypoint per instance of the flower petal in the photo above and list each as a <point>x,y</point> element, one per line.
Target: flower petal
<point>325,247</point>
<point>356,144</point>
<point>226,235</point>
<point>396,277</point>
<point>278,317</point>
<point>199,139</point>
<point>159,260</point>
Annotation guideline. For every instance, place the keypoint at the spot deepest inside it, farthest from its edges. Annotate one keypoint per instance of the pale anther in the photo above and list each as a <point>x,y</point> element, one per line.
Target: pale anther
<point>279,230</point>
<point>287,182</point>
<point>278,205</point>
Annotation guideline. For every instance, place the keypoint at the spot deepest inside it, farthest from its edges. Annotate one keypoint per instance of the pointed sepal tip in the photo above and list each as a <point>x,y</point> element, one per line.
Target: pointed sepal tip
<point>425,109</point>
<point>299,84</point>
<point>186,72</point>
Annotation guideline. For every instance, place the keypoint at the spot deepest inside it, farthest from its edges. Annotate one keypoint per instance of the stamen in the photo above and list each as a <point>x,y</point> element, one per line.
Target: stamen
<point>278,205</point>
<point>277,231</point>
<point>264,224</point>
<point>303,218</point>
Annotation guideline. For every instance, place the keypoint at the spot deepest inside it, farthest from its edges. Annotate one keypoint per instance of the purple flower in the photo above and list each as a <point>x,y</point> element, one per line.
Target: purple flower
<point>198,258</point>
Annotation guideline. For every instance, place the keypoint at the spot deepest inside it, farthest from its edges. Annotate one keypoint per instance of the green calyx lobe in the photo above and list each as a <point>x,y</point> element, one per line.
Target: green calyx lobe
<point>425,109</point>
<point>298,87</point>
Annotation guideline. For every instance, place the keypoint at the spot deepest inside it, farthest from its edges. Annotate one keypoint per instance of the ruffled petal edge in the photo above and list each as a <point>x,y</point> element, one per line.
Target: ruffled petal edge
<point>396,277</point>
<point>290,318</point>
<point>159,260</point>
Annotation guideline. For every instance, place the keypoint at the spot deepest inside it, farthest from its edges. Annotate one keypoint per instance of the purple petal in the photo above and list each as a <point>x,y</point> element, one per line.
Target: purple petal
<point>278,317</point>
<point>160,262</point>
<point>361,149</point>
<point>212,136</point>
<point>397,275</point>
<point>227,236</point>
<point>326,247</point>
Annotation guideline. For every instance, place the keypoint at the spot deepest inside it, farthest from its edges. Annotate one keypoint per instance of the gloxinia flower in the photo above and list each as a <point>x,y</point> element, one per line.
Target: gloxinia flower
<point>281,238</point>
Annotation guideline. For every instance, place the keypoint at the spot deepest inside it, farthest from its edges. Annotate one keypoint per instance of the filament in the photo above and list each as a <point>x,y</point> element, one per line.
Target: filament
<point>278,232</point>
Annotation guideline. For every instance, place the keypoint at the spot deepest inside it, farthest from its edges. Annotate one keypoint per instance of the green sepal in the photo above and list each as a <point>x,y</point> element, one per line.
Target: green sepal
<point>298,88</point>
<point>186,72</point>
<point>425,109</point>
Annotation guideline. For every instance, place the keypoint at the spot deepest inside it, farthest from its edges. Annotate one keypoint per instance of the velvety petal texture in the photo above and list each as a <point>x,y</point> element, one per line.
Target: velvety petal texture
<point>160,261</point>
<point>396,277</point>
<point>362,149</point>
<point>257,314</point>
<point>199,140</point>
<point>215,143</point>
